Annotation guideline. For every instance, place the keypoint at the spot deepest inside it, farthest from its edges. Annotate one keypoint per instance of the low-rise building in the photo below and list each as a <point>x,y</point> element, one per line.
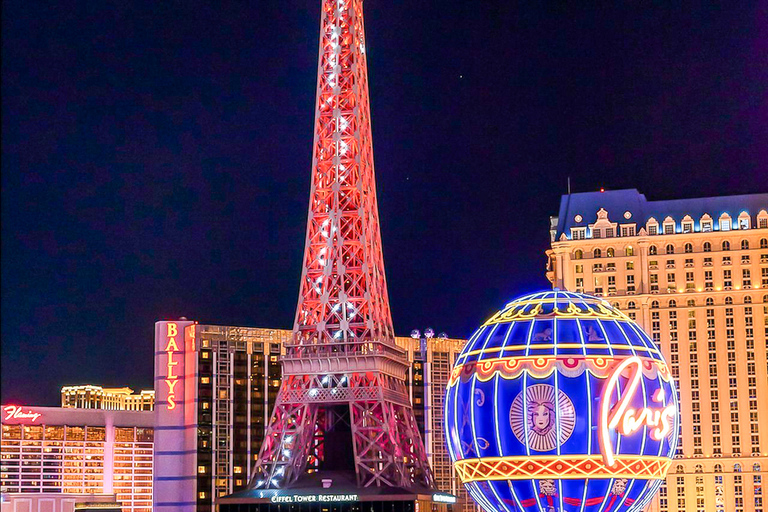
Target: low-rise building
<point>51,450</point>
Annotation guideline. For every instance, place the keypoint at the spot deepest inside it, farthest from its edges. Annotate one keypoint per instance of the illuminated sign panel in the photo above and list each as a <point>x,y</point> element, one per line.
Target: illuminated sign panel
<point>172,375</point>
<point>15,412</point>
<point>175,416</point>
<point>562,402</point>
<point>444,498</point>
<point>314,498</point>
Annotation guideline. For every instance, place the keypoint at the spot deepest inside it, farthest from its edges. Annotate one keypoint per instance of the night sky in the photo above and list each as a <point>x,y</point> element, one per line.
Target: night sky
<point>156,156</point>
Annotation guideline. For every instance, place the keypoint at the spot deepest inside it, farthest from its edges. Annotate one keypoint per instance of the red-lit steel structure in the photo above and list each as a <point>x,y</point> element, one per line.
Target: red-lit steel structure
<point>343,366</point>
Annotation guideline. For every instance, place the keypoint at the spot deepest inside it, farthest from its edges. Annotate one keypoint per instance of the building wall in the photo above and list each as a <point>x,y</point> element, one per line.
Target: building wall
<point>236,379</point>
<point>703,297</point>
<point>77,451</point>
<point>428,380</point>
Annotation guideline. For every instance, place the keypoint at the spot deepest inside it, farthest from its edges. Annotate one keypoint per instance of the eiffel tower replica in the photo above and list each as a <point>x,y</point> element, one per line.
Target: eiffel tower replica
<point>343,402</point>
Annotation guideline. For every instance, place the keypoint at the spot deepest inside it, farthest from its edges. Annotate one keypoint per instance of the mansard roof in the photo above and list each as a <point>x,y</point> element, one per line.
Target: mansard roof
<point>585,206</point>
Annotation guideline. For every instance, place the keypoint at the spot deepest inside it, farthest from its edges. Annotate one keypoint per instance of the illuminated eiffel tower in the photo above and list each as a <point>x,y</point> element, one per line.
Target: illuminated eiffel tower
<point>343,398</point>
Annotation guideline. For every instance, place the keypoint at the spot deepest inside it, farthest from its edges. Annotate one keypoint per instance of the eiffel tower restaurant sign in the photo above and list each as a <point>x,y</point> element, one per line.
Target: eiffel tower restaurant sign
<point>561,402</point>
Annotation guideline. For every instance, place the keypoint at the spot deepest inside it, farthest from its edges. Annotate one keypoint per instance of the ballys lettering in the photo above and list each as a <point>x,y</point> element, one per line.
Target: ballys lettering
<point>171,378</point>
<point>626,420</point>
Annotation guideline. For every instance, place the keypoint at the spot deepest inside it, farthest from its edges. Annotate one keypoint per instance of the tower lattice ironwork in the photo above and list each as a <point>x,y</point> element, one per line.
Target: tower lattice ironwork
<point>343,366</point>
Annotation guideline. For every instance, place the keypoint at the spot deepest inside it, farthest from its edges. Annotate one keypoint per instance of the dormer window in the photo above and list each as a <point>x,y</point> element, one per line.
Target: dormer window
<point>608,232</point>
<point>652,226</point>
<point>687,224</point>
<point>706,224</point>
<point>669,226</point>
<point>725,222</point>
<point>744,220</point>
<point>762,219</point>
<point>628,230</point>
<point>578,233</point>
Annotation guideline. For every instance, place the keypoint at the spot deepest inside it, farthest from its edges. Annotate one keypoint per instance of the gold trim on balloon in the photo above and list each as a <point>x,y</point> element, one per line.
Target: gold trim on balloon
<point>588,310</point>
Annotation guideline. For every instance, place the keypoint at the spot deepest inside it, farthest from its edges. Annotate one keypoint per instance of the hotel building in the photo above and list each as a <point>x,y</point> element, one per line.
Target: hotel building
<point>694,274</point>
<point>215,388</point>
<point>53,451</point>
<point>111,399</point>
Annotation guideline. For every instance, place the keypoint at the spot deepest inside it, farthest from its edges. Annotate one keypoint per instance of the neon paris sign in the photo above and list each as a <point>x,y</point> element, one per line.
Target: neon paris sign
<point>623,418</point>
<point>14,412</point>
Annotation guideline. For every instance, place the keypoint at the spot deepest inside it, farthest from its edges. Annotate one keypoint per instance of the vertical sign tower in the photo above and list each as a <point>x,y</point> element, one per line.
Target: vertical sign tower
<point>343,399</point>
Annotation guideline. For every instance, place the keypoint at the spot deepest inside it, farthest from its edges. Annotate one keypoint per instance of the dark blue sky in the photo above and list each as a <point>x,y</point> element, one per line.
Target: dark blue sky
<point>156,156</point>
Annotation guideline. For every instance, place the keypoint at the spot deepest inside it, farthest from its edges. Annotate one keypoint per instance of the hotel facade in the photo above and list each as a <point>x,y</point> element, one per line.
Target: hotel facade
<point>111,399</point>
<point>694,274</point>
<point>215,389</point>
<point>61,454</point>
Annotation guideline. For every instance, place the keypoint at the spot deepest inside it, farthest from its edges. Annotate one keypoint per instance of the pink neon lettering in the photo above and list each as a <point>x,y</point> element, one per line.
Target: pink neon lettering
<point>624,419</point>
<point>15,412</point>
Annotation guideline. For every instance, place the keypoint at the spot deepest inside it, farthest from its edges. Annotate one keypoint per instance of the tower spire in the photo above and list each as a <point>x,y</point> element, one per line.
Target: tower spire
<point>343,371</point>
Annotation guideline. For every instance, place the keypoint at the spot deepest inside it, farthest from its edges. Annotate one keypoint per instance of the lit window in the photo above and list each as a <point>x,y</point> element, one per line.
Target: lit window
<point>725,222</point>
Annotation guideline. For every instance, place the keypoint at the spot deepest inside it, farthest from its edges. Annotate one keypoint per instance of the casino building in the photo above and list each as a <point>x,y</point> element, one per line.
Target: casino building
<point>694,274</point>
<point>215,398</point>
<point>51,451</point>
<point>112,399</point>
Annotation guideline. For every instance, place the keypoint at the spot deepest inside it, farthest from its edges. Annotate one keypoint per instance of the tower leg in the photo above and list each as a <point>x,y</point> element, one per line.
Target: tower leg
<point>287,444</point>
<point>388,445</point>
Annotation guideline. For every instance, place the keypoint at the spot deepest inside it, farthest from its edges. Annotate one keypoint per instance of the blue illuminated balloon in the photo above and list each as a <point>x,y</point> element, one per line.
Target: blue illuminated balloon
<point>560,402</point>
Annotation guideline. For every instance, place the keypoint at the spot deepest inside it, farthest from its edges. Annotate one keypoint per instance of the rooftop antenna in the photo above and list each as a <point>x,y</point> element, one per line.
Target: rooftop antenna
<point>569,185</point>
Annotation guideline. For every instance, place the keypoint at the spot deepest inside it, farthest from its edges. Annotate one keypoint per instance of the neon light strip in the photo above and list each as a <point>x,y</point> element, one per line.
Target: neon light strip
<point>525,411</point>
<point>645,429</point>
<point>557,414</point>
<point>498,439</point>
<point>606,399</point>
<point>472,402</point>
<point>496,421</point>
<point>479,497</point>
<point>589,414</point>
